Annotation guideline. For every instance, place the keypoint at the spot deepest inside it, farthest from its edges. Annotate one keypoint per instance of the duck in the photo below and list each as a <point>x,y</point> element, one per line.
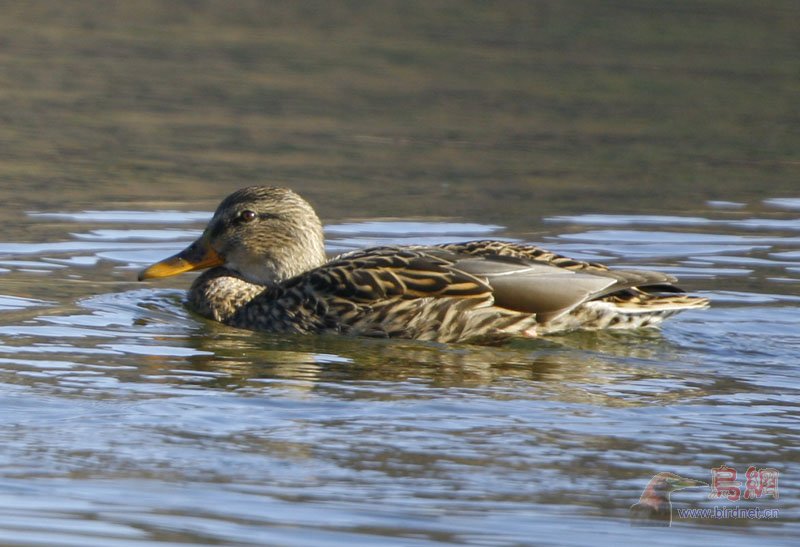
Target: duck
<point>266,269</point>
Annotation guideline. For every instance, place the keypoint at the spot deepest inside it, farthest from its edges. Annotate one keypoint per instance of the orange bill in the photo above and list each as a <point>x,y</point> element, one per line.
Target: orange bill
<point>197,256</point>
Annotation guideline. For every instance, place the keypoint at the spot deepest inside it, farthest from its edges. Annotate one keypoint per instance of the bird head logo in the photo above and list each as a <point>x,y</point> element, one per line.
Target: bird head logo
<point>655,506</point>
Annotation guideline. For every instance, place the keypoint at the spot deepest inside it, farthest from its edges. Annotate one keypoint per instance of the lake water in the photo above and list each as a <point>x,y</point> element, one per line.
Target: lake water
<point>638,134</point>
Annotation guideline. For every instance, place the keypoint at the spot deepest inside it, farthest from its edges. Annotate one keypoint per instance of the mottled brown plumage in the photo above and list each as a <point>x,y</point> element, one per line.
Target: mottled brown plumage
<point>269,273</point>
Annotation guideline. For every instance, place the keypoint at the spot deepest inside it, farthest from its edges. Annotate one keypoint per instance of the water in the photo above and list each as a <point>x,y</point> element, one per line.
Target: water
<point>129,421</point>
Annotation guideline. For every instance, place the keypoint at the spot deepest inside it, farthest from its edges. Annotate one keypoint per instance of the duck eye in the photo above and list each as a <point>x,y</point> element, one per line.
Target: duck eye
<point>247,216</point>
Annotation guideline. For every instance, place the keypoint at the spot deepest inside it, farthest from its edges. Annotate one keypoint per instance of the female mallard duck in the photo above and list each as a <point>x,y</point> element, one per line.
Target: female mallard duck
<point>270,273</point>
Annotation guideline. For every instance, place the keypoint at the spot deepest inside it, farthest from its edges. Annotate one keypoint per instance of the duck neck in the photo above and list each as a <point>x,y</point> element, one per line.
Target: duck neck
<point>286,263</point>
<point>305,253</point>
<point>288,255</point>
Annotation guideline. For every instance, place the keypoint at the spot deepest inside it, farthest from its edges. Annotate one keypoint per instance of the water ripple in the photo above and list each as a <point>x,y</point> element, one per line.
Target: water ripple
<point>226,436</point>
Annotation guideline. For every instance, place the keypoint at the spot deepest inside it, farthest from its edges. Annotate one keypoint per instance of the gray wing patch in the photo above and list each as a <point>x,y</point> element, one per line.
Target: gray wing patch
<point>546,295</point>
<point>545,290</point>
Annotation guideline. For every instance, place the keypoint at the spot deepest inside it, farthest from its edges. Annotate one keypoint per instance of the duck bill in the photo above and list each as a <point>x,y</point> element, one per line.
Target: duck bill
<point>683,482</point>
<point>197,256</point>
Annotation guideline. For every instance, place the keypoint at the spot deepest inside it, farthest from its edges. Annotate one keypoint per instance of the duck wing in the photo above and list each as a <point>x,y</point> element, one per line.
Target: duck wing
<point>540,289</point>
<point>393,272</point>
<point>518,278</point>
<point>427,290</point>
<point>534,280</point>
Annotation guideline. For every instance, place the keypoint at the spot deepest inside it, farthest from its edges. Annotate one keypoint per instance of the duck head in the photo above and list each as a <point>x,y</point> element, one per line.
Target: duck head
<point>263,234</point>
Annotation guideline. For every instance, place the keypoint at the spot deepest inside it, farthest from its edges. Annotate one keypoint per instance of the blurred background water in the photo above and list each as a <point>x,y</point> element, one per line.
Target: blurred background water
<point>641,134</point>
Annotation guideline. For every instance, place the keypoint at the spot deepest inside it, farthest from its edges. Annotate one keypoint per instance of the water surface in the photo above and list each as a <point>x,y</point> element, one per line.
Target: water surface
<point>622,134</point>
